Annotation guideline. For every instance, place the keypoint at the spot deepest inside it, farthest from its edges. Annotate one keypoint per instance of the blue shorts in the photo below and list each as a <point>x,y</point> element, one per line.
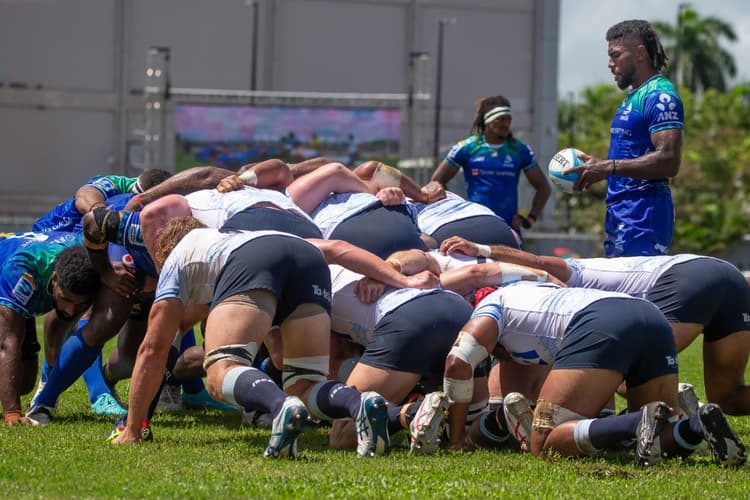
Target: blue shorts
<point>625,335</point>
<point>639,225</point>
<point>417,336</point>
<point>706,291</point>
<point>264,218</point>
<point>290,268</point>
<point>381,230</point>
<point>482,229</point>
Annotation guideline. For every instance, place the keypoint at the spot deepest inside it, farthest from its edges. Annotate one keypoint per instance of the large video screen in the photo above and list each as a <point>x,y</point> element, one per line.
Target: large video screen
<point>232,136</point>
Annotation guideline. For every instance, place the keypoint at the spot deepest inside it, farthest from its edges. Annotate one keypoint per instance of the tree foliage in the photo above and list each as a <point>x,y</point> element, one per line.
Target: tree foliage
<point>710,192</point>
<point>698,61</point>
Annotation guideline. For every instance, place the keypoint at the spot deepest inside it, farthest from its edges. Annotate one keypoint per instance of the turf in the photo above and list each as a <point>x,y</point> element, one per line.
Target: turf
<point>208,454</point>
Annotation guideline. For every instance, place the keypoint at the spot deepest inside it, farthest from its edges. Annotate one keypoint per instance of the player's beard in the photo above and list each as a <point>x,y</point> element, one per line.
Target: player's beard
<point>63,315</point>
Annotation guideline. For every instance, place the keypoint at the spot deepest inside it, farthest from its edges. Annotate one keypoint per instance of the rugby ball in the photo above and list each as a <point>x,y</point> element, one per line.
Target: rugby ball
<point>563,160</point>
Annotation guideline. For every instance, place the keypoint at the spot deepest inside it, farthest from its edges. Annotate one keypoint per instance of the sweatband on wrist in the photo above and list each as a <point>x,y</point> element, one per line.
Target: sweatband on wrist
<point>484,250</point>
<point>249,177</point>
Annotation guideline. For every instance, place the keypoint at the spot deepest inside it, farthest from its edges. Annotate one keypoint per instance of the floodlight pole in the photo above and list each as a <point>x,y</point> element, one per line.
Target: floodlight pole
<point>439,86</point>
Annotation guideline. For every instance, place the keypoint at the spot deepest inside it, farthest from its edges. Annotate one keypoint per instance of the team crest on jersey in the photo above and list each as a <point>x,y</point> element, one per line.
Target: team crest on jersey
<point>24,288</point>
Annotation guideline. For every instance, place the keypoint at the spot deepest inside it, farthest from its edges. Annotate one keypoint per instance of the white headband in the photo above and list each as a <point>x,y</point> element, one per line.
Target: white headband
<point>495,112</point>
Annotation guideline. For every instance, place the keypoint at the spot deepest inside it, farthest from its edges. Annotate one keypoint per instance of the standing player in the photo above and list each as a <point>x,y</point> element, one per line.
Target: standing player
<point>645,146</point>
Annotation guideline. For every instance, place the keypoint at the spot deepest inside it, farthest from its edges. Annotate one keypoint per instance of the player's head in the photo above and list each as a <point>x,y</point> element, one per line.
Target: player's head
<point>74,282</point>
<point>150,178</point>
<point>492,113</point>
<point>171,235</point>
<point>632,42</point>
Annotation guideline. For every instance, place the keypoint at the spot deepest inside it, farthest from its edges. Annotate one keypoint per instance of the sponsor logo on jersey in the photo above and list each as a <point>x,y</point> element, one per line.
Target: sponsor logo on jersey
<point>666,107</point>
<point>625,115</point>
<point>24,288</point>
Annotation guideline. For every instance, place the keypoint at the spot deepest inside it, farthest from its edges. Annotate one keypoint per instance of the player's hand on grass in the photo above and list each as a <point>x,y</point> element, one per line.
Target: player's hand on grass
<point>16,418</point>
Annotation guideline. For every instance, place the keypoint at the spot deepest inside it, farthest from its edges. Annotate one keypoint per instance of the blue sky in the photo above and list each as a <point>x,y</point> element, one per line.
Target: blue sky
<point>583,50</point>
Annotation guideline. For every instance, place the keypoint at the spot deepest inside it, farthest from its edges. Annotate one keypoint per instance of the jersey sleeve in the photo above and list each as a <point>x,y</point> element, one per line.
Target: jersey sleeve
<point>663,110</point>
<point>18,286</point>
<point>458,155</point>
<point>111,185</point>
<point>169,284</point>
<point>528,159</point>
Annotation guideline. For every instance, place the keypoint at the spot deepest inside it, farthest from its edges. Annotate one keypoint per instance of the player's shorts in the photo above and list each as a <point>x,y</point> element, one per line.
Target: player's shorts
<point>264,218</point>
<point>626,335</point>
<point>482,229</point>
<point>639,225</point>
<point>417,336</point>
<point>290,268</point>
<point>707,291</point>
<point>381,230</point>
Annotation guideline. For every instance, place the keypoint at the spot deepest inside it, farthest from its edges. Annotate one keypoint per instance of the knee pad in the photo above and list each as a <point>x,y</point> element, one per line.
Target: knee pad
<point>458,391</point>
<point>468,350</point>
<point>548,415</point>
<point>312,368</point>
<point>242,354</point>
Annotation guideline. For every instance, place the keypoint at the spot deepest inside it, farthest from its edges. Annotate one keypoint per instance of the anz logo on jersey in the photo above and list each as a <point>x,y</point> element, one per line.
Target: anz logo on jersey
<point>666,107</point>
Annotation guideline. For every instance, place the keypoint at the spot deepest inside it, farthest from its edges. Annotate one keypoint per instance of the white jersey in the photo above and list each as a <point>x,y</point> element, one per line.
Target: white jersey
<point>432,216</point>
<point>532,318</point>
<point>456,260</point>
<point>355,319</point>
<point>340,207</point>
<point>213,208</point>
<point>191,270</point>
<point>632,275</point>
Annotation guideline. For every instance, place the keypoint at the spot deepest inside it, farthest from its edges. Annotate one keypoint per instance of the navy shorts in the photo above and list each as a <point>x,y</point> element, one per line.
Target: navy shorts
<point>707,291</point>
<point>264,219</point>
<point>290,268</point>
<point>417,336</point>
<point>482,229</point>
<point>625,335</point>
<point>381,230</point>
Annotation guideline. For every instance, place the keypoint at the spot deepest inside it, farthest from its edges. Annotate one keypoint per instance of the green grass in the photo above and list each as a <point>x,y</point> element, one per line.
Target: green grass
<point>208,454</point>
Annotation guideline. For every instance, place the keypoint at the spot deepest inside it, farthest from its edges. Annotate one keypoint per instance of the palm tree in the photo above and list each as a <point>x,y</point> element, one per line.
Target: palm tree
<point>699,62</point>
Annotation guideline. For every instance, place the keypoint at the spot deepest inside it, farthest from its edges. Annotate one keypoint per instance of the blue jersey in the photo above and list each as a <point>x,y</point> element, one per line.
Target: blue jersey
<point>28,261</point>
<point>640,213</point>
<point>492,172</point>
<point>66,217</point>
<point>130,236</point>
<point>652,107</point>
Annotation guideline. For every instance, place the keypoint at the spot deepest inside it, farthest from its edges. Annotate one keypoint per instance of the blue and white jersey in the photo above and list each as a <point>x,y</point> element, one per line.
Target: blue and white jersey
<point>452,208</point>
<point>654,106</point>
<point>532,319</point>
<point>635,276</point>
<point>339,207</point>
<point>356,320</point>
<point>191,270</point>
<point>213,208</point>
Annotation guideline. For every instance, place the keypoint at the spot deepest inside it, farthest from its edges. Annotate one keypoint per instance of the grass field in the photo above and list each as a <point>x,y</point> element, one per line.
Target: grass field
<point>209,455</point>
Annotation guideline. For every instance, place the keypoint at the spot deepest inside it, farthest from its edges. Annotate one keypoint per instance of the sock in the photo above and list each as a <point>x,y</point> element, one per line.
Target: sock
<point>609,432</point>
<point>171,362</point>
<point>687,433</point>
<point>250,388</point>
<point>75,357</point>
<point>94,379</point>
<point>46,369</point>
<point>332,399</point>
<point>193,385</point>
<point>492,429</point>
<point>395,422</point>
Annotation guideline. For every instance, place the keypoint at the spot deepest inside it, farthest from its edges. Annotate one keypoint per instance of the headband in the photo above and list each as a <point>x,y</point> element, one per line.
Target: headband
<point>495,112</point>
<point>137,187</point>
